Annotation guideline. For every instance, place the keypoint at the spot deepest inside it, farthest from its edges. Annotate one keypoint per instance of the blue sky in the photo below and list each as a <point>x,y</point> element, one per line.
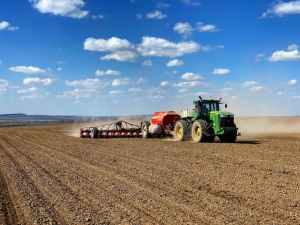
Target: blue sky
<point>123,57</point>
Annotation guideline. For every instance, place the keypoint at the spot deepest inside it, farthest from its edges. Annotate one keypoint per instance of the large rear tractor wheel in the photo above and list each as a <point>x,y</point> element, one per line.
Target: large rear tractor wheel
<point>202,131</point>
<point>145,129</point>
<point>94,132</point>
<point>181,130</point>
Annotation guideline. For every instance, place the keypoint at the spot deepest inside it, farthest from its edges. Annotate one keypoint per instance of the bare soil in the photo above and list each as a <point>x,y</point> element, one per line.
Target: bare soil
<point>50,176</point>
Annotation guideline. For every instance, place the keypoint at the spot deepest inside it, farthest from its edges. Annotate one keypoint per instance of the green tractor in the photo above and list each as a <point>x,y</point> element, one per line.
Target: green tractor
<point>205,122</point>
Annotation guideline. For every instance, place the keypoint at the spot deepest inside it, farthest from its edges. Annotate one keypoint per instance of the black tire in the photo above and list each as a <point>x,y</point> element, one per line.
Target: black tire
<point>181,130</point>
<point>94,132</point>
<point>202,131</point>
<point>145,129</point>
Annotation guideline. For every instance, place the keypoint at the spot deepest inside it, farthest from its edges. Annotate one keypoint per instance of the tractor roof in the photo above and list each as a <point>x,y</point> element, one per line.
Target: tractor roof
<point>209,100</point>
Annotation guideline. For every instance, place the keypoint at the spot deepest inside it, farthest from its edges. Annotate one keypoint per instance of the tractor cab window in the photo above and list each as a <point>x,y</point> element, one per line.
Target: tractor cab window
<point>210,106</point>
<point>197,109</point>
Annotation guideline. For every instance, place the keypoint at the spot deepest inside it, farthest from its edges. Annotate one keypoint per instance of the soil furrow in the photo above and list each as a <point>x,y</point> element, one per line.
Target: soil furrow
<point>152,181</point>
<point>24,188</point>
<point>237,201</point>
<point>108,175</point>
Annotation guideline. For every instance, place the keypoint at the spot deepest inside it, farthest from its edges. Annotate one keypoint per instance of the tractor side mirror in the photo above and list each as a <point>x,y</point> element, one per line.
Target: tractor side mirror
<point>226,105</point>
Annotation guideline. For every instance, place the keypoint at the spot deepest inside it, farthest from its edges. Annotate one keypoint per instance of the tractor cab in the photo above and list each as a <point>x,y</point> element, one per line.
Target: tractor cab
<point>204,107</point>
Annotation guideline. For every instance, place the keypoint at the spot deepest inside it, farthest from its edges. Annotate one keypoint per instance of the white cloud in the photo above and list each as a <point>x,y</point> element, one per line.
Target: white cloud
<point>189,2</point>
<point>115,92</point>
<point>235,97</point>
<point>280,93</point>
<point>134,89</point>
<point>182,90</point>
<point>147,63</point>
<point>156,15</point>
<point>30,70</point>
<point>165,83</point>
<point>258,88</point>
<point>172,72</point>
<point>100,16</point>
<point>122,82</point>
<point>112,44</point>
<point>68,8</point>
<point>156,96</point>
<point>249,83</point>
<point>139,16</point>
<point>208,48</point>
<point>141,81</point>
<point>152,46</point>
<point>221,71</point>
<point>175,62</point>
<point>23,91</point>
<point>201,93</point>
<point>77,94</point>
<point>191,84</point>
<point>32,96</point>
<point>127,56</point>
<point>205,28</point>
<point>6,26</point>
<point>59,69</point>
<point>107,72</point>
<point>162,5</point>
<point>282,8</point>
<point>3,83</point>
<point>293,47</point>
<point>191,76</point>
<point>258,57</point>
<point>38,81</point>
<point>155,90</point>
<point>2,90</point>
<point>88,83</point>
<point>122,49</point>
<point>227,89</point>
<point>291,82</point>
<point>295,97</point>
<point>183,28</point>
<point>285,56</point>
<point>138,99</point>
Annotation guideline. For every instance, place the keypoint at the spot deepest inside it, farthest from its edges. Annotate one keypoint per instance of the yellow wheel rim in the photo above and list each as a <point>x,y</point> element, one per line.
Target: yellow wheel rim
<point>179,132</point>
<point>198,132</point>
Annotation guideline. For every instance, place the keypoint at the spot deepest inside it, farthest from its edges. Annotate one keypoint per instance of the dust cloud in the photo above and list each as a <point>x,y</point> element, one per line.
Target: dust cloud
<point>246,125</point>
<point>272,124</point>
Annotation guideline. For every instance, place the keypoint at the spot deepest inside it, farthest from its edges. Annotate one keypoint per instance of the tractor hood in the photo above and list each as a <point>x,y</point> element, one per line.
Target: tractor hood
<point>221,113</point>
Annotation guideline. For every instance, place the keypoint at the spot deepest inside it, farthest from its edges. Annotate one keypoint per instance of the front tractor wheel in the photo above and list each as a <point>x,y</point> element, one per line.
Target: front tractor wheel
<point>197,131</point>
<point>180,130</point>
<point>202,131</point>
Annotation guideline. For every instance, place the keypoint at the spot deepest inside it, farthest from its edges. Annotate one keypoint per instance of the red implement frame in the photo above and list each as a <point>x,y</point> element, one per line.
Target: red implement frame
<point>120,129</point>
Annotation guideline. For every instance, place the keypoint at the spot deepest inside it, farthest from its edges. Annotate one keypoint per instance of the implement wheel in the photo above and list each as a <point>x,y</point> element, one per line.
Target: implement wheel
<point>145,129</point>
<point>180,130</point>
<point>94,132</point>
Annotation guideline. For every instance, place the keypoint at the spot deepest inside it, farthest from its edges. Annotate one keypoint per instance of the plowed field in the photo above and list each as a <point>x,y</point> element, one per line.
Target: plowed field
<point>50,177</point>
